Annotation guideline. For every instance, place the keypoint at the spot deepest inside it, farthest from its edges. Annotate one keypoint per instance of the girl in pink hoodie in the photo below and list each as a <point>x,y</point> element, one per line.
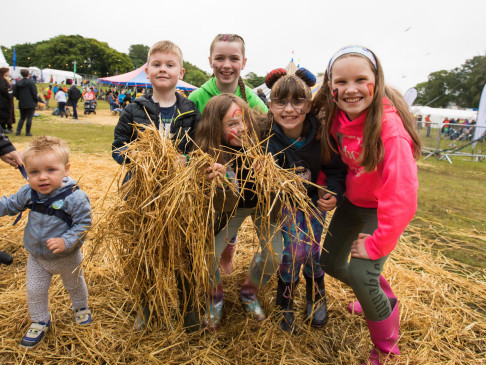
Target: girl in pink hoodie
<point>370,125</point>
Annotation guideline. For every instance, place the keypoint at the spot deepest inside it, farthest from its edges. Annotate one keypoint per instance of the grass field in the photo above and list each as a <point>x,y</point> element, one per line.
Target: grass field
<point>438,271</point>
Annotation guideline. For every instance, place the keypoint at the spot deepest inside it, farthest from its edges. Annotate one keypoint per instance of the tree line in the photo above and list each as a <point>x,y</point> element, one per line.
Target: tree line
<point>459,87</point>
<point>96,58</point>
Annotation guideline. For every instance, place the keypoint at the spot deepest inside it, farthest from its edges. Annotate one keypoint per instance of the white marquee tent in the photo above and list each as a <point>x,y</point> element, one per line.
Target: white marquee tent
<point>59,76</point>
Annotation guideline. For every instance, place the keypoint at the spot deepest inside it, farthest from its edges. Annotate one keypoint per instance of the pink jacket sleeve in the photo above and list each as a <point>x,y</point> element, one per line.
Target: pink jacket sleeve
<point>397,201</point>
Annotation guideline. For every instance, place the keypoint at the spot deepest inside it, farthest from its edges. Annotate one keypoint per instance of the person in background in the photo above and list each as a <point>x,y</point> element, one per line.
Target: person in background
<point>48,95</point>
<point>262,96</point>
<point>73,96</point>
<point>61,102</point>
<point>7,113</point>
<point>428,124</point>
<point>26,93</point>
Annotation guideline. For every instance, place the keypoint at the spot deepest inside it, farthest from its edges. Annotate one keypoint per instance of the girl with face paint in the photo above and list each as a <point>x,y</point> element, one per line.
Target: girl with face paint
<point>294,143</point>
<point>371,126</point>
<point>227,125</point>
<point>227,60</point>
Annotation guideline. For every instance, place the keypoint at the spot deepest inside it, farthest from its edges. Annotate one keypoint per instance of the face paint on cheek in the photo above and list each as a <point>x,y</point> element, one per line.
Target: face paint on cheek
<point>335,93</point>
<point>371,88</point>
<point>231,134</point>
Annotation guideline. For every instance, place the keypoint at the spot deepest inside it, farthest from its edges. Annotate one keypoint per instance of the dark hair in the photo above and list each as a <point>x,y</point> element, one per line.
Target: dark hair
<point>286,86</point>
<point>3,71</point>
<point>24,72</point>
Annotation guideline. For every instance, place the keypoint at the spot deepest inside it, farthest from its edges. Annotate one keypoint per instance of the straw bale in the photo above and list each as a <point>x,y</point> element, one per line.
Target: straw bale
<point>442,305</point>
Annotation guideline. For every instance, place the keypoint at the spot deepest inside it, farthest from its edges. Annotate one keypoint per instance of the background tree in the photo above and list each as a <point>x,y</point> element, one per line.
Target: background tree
<point>92,56</point>
<point>460,87</point>
<point>252,80</point>
<point>194,75</point>
<point>25,54</point>
<point>138,54</point>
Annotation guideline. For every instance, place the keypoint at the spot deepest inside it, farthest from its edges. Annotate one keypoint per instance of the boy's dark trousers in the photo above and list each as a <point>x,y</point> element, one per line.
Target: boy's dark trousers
<point>25,114</point>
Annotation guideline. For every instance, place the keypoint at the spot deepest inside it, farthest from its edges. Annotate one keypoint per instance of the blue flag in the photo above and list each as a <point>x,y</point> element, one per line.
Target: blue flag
<point>14,58</point>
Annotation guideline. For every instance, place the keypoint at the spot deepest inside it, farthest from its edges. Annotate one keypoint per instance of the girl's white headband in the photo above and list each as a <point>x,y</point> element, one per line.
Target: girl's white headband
<point>351,49</point>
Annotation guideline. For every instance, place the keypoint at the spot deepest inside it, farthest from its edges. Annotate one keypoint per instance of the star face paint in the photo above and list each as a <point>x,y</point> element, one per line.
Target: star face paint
<point>234,126</point>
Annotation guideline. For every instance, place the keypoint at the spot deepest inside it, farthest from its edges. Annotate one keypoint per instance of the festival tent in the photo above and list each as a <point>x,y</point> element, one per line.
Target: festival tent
<point>3,61</point>
<point>60,76</point>
<point>138,78</point>
<point>291,68</point>
<point>437,115</point>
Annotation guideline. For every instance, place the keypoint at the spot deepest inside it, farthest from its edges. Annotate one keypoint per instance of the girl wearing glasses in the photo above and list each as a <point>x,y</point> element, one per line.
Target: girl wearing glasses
<point>371,126</point>
<point>295,143</point>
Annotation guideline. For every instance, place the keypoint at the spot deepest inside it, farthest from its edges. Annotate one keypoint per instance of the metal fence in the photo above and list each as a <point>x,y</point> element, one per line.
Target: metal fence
<point>444,141</point>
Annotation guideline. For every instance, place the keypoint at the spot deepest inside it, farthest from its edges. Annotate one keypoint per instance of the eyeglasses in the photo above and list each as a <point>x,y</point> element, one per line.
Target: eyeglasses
<point>297,104</point>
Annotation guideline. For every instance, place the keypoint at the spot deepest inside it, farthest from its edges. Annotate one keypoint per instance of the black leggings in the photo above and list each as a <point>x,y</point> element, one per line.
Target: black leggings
<point>362,275</point>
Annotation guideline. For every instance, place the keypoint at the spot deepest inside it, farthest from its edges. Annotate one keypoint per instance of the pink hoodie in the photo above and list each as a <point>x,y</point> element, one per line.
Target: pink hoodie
<point>391,188</point>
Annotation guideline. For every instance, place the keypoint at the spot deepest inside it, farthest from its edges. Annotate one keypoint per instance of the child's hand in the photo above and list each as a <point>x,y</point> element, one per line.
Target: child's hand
<point>358,249</point>
<point>181,160</point>
<point>56,245</point>
<point>326,201</point>
<point>217,172</point>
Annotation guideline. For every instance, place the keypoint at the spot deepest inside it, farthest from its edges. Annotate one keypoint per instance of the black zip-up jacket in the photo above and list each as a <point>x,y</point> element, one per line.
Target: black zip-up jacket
<point>73,95</point>
<point>26,92</point>
<point>185,121</point>
<point>307,158</point>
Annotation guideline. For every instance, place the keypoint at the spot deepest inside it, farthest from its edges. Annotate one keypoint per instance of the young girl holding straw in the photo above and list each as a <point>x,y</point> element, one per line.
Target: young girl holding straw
<point>227,59</point>
<point>373,130</point>
<point>294,142</point>
<point>227,123</point>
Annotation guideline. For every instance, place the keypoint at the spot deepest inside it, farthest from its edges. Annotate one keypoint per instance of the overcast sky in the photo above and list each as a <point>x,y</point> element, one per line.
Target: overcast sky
<point>412,38</point>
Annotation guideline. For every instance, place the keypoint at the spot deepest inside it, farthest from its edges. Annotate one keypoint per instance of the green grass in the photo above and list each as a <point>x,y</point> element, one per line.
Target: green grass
<point>451,200</point>
<point>81,137</point>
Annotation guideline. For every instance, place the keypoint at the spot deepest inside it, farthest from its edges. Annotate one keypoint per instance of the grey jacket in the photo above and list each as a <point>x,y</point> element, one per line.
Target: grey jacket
<point>40,227</point>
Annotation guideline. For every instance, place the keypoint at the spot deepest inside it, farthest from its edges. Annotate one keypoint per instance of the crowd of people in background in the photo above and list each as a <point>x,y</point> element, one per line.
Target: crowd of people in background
<point>453,129</point>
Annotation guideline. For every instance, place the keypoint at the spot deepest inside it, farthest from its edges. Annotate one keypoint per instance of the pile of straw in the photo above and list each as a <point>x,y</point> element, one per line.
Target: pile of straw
<point>162,222</point>
<point>442,305</point>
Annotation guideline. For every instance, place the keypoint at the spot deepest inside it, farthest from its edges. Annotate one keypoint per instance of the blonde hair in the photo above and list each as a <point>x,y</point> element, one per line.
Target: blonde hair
<point>231,38</point>
<point>166,47</point>
<point>43,144</point>
<point>373,151</point>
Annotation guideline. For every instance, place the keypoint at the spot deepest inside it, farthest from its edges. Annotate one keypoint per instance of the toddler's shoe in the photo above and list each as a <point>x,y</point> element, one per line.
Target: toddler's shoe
<point>83,316</point>
<point>35,334</point>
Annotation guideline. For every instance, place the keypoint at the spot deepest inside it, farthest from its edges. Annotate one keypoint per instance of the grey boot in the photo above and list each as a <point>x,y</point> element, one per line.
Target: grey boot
<point>316,301</point>
<point>214,313</point>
